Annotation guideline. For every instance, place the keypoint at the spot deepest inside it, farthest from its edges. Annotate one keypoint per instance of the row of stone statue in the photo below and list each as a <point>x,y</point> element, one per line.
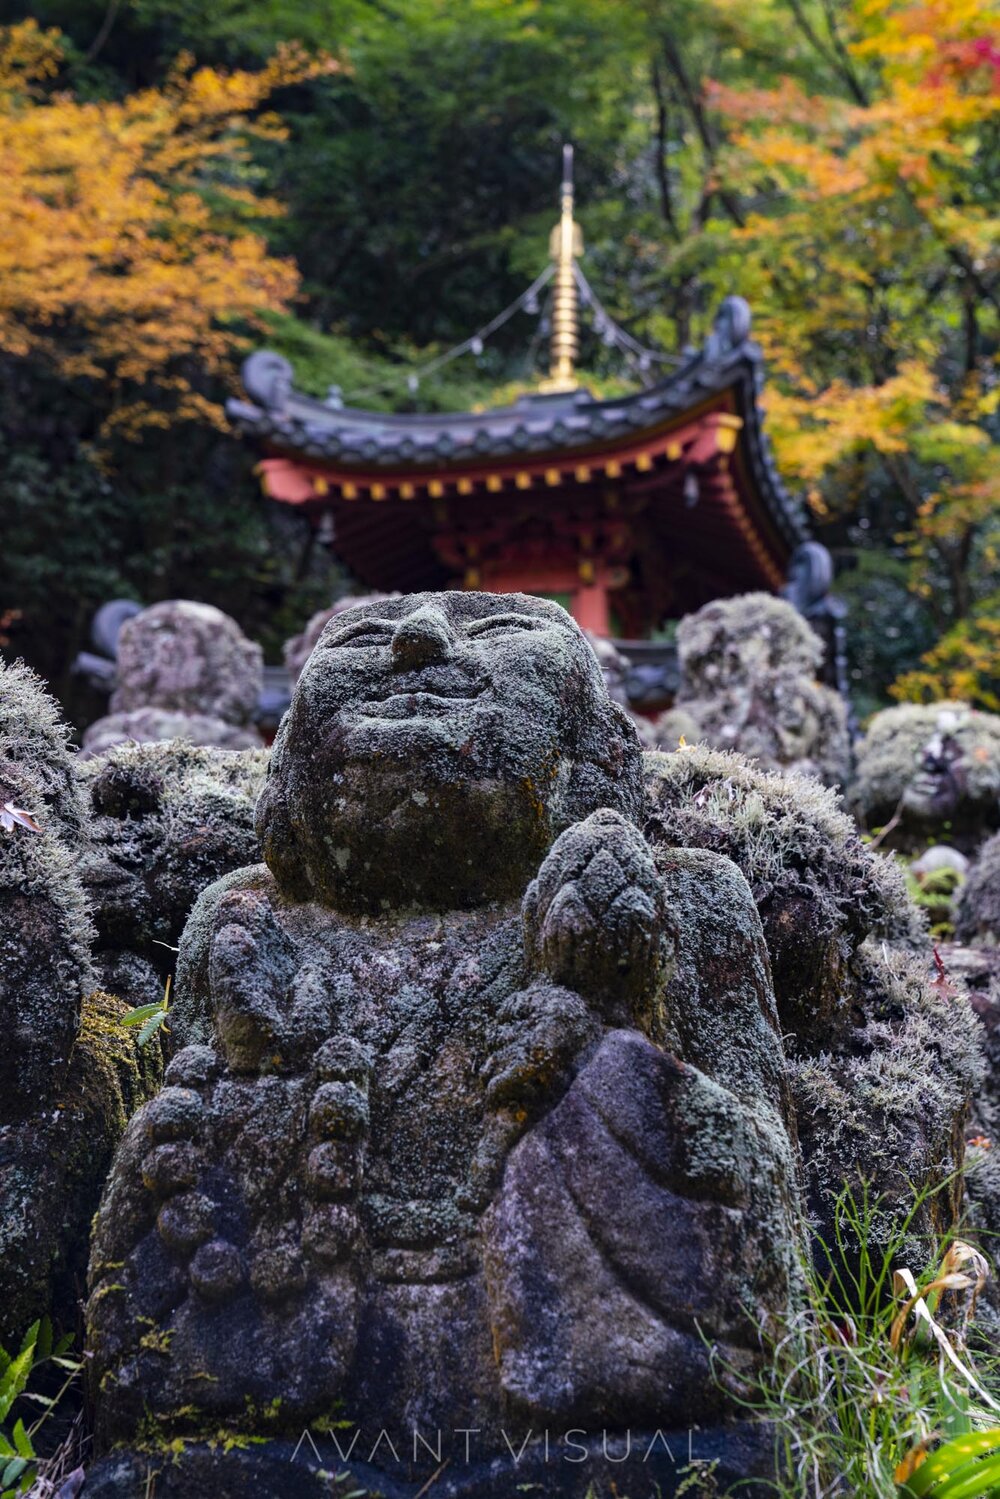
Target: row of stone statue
<point>510,1072</point>
<point>748,682</point>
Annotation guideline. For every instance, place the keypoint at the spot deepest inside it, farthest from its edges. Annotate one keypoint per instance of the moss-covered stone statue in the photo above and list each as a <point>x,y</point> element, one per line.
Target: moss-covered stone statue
<point>930,773</point>
<point>882,1058</point>
<point>477,1128</point>
<point>978,919</point>
<point>300,647</point>
<point>166,821</point>
<point>69,1074</point>
<point>184,671</point>
<point>748,683</point>
<point>976,963</point>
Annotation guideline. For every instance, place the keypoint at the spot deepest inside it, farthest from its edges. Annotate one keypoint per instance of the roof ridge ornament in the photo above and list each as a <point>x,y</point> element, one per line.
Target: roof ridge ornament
<point>267,379</point>
<point>730,328</point>
<point>565,244</point>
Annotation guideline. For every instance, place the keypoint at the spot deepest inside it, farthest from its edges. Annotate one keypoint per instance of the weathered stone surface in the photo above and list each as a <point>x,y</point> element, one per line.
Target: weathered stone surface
<point>431,1153</point>
<point>159,725</point>
<point>720,1007</point>
<point>748,683</point>
<point>166,821</point>
<point>598,1313</point>
<point>36,763</point>
<point>615,669</point>
<point>504,723</point>
<point>881,1061</point>
<point>819,890</point>
<point>45,932</point>
<point>298,650</point>
<point>188,657</point>
<point>933,771</point>
<point>545,1463</point>
<point>183,671</point>
<point>66,1083</point>
<point>53,1164</point>
<point>938,858</point>
<point>889,1103</point>
<point>978,971</point>
<point>45,967</point>
<point>978,918</point>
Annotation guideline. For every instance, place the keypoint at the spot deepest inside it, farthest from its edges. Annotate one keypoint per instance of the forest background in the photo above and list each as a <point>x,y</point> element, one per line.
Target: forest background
<point>362,184</point>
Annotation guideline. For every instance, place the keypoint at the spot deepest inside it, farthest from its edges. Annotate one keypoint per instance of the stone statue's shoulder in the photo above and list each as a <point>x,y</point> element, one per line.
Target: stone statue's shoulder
<point>191,1009</point>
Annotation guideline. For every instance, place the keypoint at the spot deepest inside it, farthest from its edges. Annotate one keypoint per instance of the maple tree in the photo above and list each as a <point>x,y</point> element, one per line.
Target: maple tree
<point>837,162</point>
<point>964,665</point>
<point>129,252</point>
<point>870,250</point>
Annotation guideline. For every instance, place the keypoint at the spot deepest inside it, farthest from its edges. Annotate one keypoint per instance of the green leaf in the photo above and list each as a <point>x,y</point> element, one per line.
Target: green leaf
<point>143,1012</point>
<point>152,1026</point>
<point>14,1381</point>
<point>972,1481</point>
<point>6,1450</point>
<point>22,1441</point>
<point>952,1463</point>
<point>43,1343</point>
<point>31,1337</point>
<point>13,1470</point>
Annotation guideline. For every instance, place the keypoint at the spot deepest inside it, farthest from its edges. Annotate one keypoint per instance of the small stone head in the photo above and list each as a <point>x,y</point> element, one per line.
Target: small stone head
<point>932,769</point>
<point>166,821</point>
<point>436,746</point>
<point>188,657</point>
<point>732,642</point>
<point>940,782</point>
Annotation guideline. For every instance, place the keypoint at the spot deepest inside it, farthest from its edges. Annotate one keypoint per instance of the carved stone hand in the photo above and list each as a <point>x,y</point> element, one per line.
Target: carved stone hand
<point>593,917</point>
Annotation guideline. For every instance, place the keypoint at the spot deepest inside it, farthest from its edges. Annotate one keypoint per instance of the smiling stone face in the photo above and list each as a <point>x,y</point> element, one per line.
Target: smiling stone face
<point>435,747</point>
<point>933,770</point>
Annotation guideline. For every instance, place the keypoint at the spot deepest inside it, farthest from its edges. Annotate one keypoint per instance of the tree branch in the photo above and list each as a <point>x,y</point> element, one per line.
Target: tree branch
<point>104,32</point>
<point>662,139</point>
<point>692,99</point>
<point>843,58</point>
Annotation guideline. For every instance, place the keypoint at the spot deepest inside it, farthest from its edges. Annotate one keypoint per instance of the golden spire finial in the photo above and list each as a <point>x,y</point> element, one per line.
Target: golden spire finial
<point>565,244</point>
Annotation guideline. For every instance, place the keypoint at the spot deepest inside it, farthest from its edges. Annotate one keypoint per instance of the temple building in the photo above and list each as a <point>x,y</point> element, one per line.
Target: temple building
<point>631,511</point>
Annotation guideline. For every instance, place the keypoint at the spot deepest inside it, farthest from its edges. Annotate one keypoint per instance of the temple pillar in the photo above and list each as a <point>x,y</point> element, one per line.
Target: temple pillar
<point>590,601</point>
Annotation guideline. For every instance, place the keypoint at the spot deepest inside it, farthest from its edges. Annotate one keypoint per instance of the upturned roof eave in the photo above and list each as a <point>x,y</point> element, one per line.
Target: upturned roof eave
<point>288,422</point>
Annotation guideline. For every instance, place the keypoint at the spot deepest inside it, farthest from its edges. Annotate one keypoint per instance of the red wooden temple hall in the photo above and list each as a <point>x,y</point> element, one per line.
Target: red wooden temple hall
<point>630,511</point>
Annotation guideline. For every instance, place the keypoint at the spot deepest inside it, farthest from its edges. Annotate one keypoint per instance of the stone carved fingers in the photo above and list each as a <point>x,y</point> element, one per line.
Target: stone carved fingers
<point>594,919</point>
<point>539,1033</point>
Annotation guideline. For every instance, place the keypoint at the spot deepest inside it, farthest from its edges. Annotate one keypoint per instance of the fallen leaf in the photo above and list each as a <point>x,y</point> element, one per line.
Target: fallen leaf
<point>11,815</point>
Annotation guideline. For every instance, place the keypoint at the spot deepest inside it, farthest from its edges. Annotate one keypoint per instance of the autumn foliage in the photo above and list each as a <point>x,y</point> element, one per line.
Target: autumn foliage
<point>872,257</point>
<point>836,162</point>
<point>128,252</point>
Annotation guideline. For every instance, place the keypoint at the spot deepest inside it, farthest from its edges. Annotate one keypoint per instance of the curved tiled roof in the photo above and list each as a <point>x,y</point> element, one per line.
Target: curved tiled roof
<point>285,420</point>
